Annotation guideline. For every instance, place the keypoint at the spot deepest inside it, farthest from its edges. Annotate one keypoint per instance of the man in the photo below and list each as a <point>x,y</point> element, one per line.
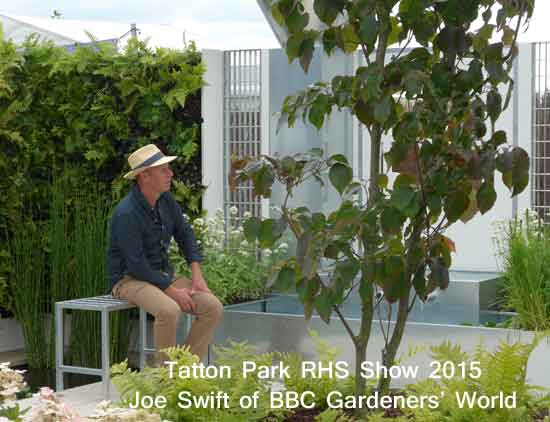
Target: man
<point>139,270</point>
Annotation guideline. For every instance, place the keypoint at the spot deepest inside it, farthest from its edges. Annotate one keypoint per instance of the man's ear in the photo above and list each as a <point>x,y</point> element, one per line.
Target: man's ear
<point>143,176</point>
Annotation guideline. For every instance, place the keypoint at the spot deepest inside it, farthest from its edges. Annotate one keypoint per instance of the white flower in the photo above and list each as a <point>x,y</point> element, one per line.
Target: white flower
<point>283,247</point>
<point>198,221</point>
<point>233,210</point>
<point>51,409</point>
<point>247,214</point>
<point>9,391</point>
<point>267,252</point>
<point>244,243</point>
<point>11,382</point>
<point>8,404</point>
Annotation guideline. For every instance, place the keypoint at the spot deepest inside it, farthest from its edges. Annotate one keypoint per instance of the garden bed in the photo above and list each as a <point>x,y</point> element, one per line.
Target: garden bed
<point>277,324</point>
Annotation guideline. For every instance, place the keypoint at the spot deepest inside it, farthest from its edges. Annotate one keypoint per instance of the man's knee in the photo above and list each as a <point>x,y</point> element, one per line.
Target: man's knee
<point>215,307</point>
<point>170,312</point>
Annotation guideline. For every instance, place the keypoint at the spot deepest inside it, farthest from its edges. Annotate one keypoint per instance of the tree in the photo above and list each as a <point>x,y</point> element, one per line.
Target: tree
<point>440,101</point>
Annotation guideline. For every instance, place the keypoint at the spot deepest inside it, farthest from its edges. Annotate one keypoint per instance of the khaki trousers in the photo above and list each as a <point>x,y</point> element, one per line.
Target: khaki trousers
<point>167,313</point>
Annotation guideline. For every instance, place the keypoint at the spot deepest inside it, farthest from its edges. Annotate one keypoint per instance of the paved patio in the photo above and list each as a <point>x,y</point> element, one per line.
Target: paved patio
<point>83,400</point>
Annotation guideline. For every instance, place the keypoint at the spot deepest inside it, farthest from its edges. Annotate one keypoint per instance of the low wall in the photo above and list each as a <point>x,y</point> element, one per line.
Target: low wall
<point>289,333</point>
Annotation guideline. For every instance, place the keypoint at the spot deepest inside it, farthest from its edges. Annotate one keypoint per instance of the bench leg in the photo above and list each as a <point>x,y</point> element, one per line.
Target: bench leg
<point>142,337</point>
<point>105,352</point>
<point>59,344</point>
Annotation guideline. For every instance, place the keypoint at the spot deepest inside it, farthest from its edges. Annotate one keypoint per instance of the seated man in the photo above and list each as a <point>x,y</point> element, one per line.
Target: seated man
<point>139,270</point>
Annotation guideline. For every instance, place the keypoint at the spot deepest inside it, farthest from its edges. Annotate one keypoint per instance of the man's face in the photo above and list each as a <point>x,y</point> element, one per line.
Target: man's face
<point>159,178</point>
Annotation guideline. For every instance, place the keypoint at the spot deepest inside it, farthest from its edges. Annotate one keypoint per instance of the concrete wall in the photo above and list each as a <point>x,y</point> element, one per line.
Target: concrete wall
<point>475,249</point>
<point>474,244</point>
<point>289,333</point>
<point>212,131</point>
<point>335,137</point>
<point>286,79</point>
<point>344,135</point>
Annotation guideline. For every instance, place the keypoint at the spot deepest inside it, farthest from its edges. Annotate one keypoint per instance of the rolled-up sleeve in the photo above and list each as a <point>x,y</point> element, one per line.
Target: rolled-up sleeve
<point>130,241</point>
<point>185,237</point>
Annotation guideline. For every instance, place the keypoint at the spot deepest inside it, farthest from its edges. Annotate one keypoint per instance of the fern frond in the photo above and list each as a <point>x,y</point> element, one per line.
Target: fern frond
<point>446,351</point>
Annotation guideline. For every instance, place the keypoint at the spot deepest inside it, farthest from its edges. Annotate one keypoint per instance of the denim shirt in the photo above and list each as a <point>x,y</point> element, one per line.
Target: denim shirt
<point>139,237</point>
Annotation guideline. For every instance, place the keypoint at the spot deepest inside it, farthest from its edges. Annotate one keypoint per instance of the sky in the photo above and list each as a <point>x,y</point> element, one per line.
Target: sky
<point>223,24</point>
<point>220,24</point>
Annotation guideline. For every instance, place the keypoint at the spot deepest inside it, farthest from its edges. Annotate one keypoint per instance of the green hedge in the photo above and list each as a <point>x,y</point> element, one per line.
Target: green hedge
<point>85,112</point>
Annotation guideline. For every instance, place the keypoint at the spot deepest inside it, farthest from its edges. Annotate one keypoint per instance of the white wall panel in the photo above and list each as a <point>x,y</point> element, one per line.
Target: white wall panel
<point>212,131</point>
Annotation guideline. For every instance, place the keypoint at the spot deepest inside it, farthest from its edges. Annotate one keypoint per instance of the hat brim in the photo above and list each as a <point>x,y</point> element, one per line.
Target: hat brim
<point>133,173</point>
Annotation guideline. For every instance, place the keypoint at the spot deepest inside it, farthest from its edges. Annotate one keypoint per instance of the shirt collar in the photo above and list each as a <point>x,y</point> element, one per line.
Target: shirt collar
<point>140,198</point>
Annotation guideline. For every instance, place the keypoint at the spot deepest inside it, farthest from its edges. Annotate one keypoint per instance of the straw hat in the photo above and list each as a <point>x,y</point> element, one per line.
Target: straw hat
<point>144,158</point>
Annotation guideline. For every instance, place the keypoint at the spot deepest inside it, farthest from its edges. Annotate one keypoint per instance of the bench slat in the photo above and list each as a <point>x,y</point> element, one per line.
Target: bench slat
<point>96,303</point>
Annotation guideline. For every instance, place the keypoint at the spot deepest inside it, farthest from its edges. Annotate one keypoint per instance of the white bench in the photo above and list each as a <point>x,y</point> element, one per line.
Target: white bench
<point>104,304</point>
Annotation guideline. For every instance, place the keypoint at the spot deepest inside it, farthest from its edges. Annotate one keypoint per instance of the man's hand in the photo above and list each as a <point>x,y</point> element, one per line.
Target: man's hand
<point>198,284</point>
<point>182,296</point>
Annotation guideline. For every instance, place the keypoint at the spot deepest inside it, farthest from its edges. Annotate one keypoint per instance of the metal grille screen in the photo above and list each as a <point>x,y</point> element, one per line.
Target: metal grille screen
<point>540,177</point>
<point>242,125</point>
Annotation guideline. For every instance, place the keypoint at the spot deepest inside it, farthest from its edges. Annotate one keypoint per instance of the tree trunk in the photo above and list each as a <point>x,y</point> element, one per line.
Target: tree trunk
<point>390,351</point>
<point>360,356</point>
<point>361,342</point>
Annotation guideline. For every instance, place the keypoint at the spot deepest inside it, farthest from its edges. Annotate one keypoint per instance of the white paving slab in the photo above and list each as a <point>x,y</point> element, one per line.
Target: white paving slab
<point>83,400</point>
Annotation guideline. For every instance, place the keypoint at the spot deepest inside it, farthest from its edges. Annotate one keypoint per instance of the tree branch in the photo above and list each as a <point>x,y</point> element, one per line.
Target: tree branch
<point>346,325</point>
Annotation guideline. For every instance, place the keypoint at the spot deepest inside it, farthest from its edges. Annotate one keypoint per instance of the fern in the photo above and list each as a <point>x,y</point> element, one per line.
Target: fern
<point>503,370</point>
<point>234,356</point>
<point>320,386</point>
<point>411,352</point>
<point>446,351</point>
<point>333,415</point>
<point>380,417</point>
<point>155,381</point>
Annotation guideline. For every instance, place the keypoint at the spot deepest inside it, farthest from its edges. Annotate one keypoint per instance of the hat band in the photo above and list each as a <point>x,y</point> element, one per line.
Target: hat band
<point>152,159</point>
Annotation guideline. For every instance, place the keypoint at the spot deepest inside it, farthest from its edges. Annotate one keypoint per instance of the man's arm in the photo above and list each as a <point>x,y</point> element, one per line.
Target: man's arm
<point>185,237</point>
<point>198,281</point>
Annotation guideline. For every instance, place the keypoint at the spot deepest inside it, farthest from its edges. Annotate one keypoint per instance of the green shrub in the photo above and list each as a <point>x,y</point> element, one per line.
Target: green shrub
<point>29,296</point>
<point>6,297</point>
<point>235,270</point>
<point>523,244</point>
<point>90,109</point>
